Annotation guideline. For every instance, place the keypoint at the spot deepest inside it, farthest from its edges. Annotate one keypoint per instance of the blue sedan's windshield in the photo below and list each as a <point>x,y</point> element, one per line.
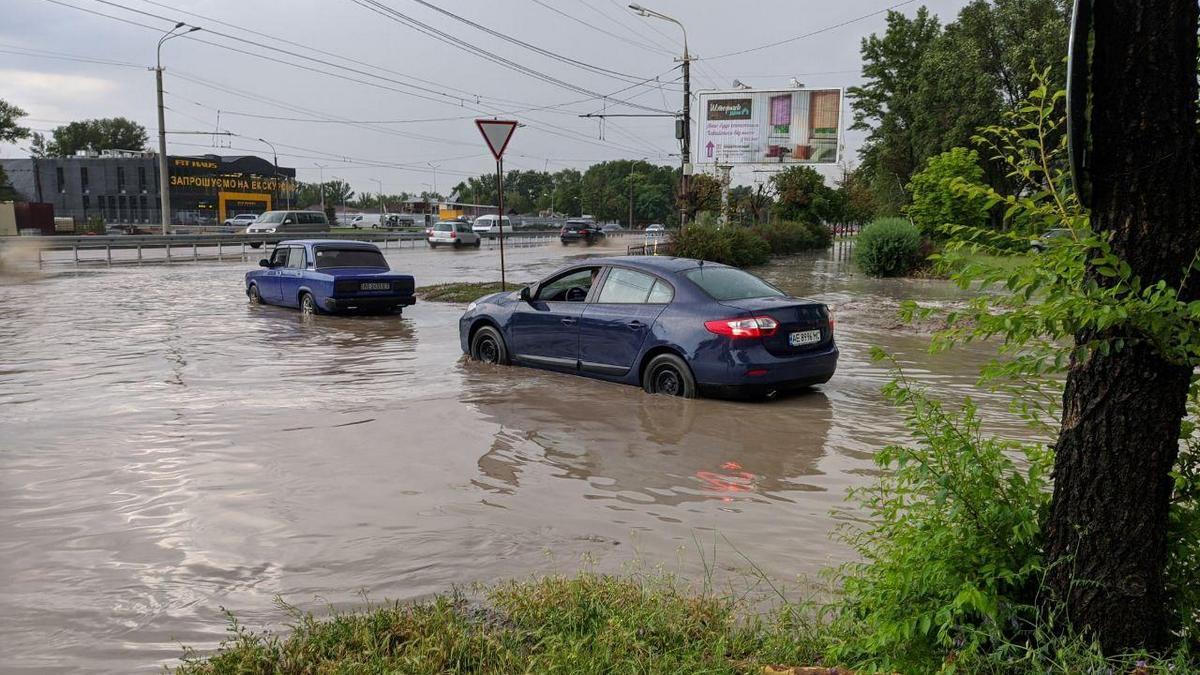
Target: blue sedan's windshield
<point>729,283</point>
<point>349,257</point>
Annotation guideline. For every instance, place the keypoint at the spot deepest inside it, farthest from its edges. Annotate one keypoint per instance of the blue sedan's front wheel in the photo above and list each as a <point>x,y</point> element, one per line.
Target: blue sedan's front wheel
<point>668,374</point>
<point>487,345</point>
<point>255,296</point>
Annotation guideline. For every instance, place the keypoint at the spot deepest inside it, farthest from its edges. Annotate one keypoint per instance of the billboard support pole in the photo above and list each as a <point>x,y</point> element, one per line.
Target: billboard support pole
<point>724,168</point>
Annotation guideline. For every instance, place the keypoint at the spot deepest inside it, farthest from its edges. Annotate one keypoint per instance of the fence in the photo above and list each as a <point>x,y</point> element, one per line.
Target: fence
<point>132,249</point>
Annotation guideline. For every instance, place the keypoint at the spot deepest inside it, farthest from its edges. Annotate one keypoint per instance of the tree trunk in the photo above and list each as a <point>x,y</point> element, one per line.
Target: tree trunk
<point>1106,532</point>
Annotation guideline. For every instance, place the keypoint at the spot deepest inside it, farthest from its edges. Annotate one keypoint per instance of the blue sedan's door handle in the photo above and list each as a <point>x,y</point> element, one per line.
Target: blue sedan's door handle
<point>568,321</point>
<point>636,325</point>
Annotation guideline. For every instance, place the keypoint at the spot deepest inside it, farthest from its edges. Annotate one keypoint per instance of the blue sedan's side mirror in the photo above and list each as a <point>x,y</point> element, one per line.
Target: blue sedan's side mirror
<point>264,263</point>
<point>525,295</point>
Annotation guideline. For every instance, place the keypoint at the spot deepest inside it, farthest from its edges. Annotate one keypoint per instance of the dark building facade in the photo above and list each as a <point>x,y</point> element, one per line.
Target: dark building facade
<point>122,187</point>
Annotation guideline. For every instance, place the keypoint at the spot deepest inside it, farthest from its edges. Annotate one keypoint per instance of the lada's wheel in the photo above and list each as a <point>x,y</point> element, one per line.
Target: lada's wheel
<point>478,242</point>
<point>255,296</point>
<point>308,305</point>
<point>487,345</point>
<point>668,374</point>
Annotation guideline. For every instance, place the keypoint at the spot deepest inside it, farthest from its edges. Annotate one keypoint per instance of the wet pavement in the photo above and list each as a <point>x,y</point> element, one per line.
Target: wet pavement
<point>168,450</point>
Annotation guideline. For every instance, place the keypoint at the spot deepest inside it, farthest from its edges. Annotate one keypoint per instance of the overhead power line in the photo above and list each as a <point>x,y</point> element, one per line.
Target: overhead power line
<point>594,27</point>
<point>807,35</point>
<point>456,42</point>
<point>533,123</point>
<point>534,48</point>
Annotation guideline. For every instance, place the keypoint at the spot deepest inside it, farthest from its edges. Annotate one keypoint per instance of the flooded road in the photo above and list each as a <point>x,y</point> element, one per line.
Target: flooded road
<point>168,450</point>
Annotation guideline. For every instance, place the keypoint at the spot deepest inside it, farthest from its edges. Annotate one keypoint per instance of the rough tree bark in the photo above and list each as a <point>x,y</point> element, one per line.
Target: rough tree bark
<point>1106,533</point>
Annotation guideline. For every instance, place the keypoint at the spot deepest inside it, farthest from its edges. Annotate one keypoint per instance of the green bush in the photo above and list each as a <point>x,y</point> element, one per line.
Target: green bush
<point>938,197</point>
<point>888,247</point>
<point>793,237</point>
<point>950,555</point>
<point>735,246</point>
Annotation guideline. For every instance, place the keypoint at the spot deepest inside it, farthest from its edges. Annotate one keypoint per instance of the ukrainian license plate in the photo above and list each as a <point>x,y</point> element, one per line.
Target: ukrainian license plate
<point>804,337</point>
<point>375,286</point>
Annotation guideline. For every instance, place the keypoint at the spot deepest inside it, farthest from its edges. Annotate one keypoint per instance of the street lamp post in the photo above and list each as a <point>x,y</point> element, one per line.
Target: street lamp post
<point>164,183</point>
<point>322,169</point>
<point>382,206</point>
<point>435,168</point>
<point>275,163</point>
<point>686,137</point>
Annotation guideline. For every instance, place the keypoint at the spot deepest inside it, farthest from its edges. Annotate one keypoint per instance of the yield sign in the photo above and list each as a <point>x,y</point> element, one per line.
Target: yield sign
<point>497,134</point>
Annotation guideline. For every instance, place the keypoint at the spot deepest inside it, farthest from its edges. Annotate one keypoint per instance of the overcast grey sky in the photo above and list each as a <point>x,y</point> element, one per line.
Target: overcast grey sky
<point>393,100</point>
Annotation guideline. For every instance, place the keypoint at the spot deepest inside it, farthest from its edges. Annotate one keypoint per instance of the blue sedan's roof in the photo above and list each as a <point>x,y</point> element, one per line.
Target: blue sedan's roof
<point>323,242</point>
<point>654,263</point>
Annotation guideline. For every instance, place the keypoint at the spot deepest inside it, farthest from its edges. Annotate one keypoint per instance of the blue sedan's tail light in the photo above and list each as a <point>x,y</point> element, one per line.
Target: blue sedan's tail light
<point>754,327</point>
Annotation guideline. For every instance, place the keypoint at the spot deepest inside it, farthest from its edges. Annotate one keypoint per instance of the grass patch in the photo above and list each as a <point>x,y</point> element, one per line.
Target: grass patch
<point>588,623</point>
<point>463,291</point>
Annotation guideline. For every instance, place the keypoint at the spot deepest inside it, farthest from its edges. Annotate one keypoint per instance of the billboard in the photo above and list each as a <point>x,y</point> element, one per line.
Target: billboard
<point>784,126</point>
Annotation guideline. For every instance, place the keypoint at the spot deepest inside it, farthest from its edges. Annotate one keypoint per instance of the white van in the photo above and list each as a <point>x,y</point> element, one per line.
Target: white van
<point>489,225</point>
<point>367,220</point>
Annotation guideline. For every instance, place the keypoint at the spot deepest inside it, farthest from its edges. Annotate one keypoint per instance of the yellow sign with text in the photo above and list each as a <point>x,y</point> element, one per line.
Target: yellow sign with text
<point>231,183</point>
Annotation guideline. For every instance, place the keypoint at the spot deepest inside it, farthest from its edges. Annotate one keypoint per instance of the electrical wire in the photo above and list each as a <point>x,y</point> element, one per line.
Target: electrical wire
<point>403,19</point>
<point>534,48</point>
<point>598,29</point>
<point>810,34</point>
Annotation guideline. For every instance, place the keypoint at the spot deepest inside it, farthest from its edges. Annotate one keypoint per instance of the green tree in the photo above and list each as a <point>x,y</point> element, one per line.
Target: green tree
<point>706,195</point>
<point>801,194</point>
<point>10,132</point>
<point>938,198</point>
<point>857,202</point>
<point>888,107</point>
<point>112,133</point>
<point>929,89</point>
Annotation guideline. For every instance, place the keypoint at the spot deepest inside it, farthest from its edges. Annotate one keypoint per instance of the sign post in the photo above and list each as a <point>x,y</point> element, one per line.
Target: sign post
<point>497,133</point>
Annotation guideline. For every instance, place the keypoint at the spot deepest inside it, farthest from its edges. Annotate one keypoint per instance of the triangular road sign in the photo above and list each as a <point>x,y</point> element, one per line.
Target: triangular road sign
<point>497,134</point>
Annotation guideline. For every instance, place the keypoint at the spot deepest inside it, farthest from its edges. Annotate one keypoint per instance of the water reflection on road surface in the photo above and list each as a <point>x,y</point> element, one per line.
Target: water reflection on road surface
<point>169,450</point>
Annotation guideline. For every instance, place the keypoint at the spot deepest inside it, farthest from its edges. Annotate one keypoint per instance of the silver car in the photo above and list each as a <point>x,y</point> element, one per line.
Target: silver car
<point>453,233</point>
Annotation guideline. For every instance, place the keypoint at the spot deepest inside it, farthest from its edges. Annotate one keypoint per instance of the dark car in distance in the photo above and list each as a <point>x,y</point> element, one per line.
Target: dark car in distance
<point>580,230</point>
<point>328,275</point>
<point>673,326</point>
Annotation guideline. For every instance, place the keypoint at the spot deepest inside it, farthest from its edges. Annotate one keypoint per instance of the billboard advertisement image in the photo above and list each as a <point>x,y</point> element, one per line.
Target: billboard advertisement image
<point>789,126</point>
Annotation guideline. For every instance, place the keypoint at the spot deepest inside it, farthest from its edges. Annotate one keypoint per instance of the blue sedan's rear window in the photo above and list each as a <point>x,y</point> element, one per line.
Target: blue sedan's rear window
<point>349,257</point>
<point>729,283</point>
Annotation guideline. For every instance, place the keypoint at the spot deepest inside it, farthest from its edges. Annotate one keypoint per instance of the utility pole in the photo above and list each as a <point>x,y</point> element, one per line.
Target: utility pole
<point>683,132</point>
<point>164,182</point>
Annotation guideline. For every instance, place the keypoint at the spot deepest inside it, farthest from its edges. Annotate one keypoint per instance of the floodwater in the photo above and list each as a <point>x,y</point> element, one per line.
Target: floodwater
<point>168,450</point>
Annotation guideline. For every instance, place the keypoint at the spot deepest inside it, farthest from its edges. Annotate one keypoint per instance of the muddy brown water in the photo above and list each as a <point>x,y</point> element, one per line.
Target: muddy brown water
<point>167,450</point>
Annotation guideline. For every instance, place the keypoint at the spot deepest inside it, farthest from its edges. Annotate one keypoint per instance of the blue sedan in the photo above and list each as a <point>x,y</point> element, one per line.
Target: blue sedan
<point>326,275</point>
<point>672,325</point>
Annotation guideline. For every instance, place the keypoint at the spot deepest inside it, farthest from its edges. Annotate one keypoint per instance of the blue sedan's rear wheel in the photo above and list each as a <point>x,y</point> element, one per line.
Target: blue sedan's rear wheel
<point>668,374</point>
<point>308,305</point>
<point>487,345</point>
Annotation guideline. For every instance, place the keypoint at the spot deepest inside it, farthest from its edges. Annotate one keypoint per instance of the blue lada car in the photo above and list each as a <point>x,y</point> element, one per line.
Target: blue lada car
<point>674,326</point>
<point>327,275</point>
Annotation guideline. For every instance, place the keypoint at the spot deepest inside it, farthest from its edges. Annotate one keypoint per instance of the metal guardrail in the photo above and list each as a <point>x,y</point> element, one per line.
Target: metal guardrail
<point>652,246</point>
<point>226,245</point>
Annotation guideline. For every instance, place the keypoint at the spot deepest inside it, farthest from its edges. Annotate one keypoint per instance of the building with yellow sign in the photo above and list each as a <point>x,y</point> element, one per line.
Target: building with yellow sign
<point>121,187</point>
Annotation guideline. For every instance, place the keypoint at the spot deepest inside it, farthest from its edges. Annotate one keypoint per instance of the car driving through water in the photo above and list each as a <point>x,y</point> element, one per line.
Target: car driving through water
<point>673,326</point>
<point>327,275</point>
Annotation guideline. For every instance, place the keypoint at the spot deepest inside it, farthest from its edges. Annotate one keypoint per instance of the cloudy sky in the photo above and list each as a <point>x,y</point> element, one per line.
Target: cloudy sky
<point>383,89</point>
